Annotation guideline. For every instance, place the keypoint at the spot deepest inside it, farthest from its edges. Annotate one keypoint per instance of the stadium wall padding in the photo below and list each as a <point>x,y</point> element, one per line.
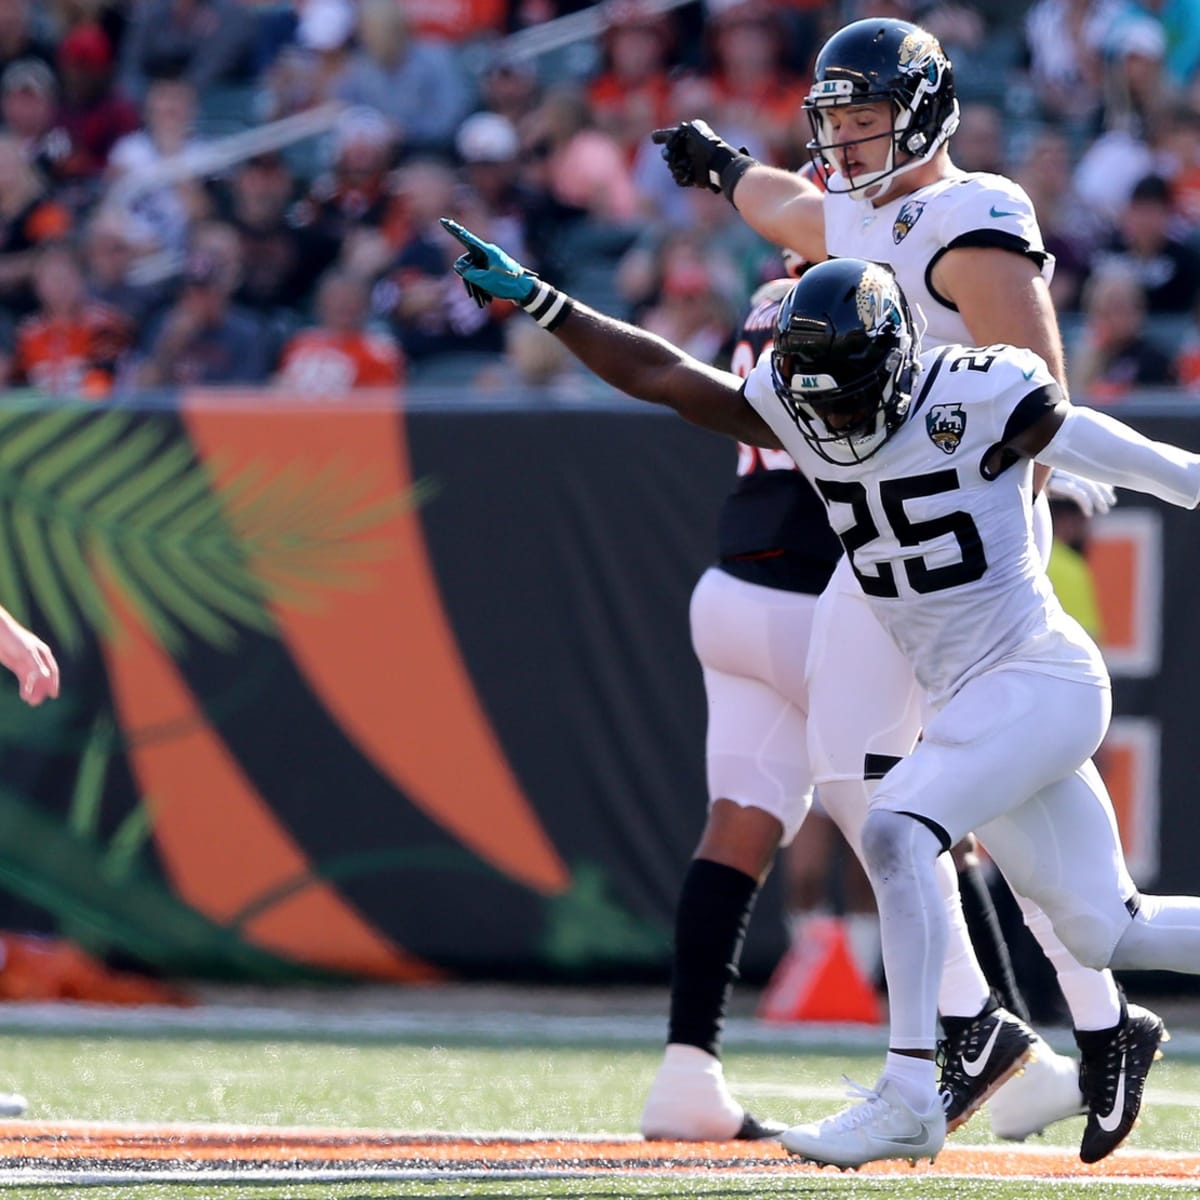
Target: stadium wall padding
<point>350,690</point>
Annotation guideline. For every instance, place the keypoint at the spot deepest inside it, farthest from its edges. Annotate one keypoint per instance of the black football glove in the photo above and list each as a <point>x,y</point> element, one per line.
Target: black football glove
<point>698,158</point>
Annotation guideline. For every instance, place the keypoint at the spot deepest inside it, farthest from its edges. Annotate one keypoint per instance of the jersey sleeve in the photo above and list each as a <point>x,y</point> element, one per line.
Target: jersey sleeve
<point>1020,392</point>
<point>992,211</point>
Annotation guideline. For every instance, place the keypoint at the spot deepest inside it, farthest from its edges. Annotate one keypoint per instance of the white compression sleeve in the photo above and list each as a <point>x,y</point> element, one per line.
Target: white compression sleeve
<point>1096,446</point>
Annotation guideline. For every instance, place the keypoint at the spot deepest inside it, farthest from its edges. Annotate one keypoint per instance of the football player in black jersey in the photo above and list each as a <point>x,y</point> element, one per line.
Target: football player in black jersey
<point>751,614</point>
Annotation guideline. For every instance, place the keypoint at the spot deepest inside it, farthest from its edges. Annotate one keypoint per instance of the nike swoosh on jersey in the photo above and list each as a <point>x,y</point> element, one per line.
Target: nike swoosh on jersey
<point>996,212</point>
<point>974,1066</point>
<point>1110,1120</point>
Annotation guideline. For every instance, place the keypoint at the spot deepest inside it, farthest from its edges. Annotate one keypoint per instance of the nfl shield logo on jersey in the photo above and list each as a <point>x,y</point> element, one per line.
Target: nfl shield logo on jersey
<point>906,218</point>
<point>946,424</point>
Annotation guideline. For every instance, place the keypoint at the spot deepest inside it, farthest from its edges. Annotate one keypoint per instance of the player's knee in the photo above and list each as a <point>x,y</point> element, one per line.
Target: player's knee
<point>886,842</point>
<point>900,842</point>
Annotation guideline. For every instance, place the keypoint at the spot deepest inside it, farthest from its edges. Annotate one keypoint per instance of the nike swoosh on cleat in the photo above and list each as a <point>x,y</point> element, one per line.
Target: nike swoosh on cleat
<point>902,1139</point>
<point>975,1066</point>
<point>1110,1120</point>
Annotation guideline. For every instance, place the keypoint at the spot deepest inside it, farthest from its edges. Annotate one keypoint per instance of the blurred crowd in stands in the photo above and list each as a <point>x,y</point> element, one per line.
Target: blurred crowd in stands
<point>159,229</point>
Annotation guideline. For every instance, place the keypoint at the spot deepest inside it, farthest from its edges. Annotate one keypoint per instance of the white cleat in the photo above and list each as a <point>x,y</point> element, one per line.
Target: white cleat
<point>1048,1091</point>
<point>12,1105</point>
<point>689,1101</point>
<point>882,1125</point>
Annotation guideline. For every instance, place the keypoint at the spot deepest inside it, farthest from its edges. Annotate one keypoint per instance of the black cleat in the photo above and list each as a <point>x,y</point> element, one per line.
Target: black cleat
<point>1113,1067</point>
<point>754,1130</point>
<point>977,1055</point>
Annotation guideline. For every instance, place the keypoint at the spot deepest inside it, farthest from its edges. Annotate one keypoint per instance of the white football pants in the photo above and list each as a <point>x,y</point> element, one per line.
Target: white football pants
<point>866,712</point>
<point>752,643</point>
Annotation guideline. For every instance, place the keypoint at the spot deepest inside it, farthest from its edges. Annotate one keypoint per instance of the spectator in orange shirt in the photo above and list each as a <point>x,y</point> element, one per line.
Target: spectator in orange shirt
<point>339,353</point>
<point>71,346</point>
<point>29,216</point>
<point>632,96</point>
<point>752,88</point>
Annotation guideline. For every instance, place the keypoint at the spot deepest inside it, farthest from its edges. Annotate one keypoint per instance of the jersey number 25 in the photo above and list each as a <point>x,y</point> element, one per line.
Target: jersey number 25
<point>893,493</point>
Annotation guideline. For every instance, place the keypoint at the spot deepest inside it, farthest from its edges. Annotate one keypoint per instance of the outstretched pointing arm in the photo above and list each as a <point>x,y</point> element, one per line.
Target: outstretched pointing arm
<point>638,363</point>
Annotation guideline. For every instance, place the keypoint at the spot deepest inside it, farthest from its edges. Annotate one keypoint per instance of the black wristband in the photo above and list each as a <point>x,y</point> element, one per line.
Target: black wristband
<point>732,172</point>
<point>548,306</point>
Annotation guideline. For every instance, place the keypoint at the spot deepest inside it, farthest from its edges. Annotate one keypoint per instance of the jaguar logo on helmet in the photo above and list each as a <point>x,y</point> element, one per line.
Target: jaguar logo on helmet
<point>877,300</point>
<point>946,424</point>
<point>921,52</point>
<point>909,214</point>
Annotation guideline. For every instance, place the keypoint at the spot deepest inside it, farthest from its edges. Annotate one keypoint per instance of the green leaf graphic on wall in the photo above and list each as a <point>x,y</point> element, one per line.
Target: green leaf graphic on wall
<point>587,928</point>
<point>158,534</point>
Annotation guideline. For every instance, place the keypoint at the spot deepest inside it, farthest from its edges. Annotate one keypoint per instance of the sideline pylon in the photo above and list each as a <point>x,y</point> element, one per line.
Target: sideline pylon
<point>818,980</point>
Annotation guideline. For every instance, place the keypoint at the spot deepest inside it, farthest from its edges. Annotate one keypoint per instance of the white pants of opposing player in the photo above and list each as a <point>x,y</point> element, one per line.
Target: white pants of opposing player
<point>752,643</point>
<point>1007,757</point>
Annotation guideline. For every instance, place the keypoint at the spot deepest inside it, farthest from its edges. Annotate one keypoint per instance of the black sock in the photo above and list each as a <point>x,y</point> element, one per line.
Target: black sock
<point>710,927</point>
<point>990,947</point>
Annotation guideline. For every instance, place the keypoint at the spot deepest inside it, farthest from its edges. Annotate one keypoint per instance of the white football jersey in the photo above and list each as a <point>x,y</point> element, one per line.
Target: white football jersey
<point>912,232</point>
<point>943,549</point>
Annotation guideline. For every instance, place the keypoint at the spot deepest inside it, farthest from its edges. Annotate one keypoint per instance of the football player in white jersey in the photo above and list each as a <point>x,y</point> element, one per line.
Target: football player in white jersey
<point>751,619</point>
<point>925,463</point>
<point>969,254</point>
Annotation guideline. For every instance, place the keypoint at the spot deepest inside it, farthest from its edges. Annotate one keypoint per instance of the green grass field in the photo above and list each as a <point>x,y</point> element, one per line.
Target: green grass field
<point>475,1085</point>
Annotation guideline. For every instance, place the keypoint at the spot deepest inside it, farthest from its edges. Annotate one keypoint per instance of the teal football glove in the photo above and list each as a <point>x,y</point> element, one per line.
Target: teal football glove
<point>487,272</point>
